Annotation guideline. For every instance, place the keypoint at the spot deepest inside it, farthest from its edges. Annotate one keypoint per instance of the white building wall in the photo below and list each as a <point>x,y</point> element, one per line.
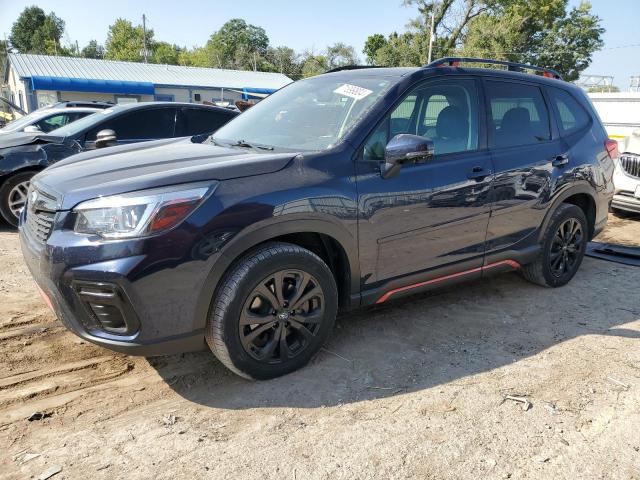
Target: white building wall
<point>18,90</point>
<point>619,112</point>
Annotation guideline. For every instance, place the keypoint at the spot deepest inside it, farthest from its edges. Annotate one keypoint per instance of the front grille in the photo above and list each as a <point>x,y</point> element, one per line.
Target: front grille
<point>39,224</point>
<point>630,164</point>
<point>40,214</point>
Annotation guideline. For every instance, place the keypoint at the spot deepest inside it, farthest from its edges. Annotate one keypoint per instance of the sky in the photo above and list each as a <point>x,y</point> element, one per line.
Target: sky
<point>310,26</point>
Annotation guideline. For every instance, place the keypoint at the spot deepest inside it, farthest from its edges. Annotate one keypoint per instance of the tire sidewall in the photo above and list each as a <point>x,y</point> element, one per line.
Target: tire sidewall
<point>250,278</point>
<point>5,189</point>
<point>567,212</point>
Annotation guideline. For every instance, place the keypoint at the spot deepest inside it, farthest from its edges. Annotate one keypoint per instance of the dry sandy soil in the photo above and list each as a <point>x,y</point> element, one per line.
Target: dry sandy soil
<point>415,389</point>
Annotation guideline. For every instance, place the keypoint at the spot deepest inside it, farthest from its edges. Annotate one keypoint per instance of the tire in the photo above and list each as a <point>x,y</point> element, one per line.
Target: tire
<point>546,270</point>
<point>247,294</point>
<point>13,186</point>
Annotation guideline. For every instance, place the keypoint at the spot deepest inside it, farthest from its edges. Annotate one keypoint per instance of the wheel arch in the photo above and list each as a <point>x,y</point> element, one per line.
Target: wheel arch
<point>330,241</point>
<point>582,195</point>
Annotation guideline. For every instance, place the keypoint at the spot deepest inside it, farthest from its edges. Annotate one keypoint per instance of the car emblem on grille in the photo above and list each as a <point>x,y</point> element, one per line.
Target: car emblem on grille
<point>34,197</point>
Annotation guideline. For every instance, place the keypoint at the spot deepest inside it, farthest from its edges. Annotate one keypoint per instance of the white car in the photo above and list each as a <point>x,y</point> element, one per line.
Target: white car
<point>47,120</point>
<point>627,176</point>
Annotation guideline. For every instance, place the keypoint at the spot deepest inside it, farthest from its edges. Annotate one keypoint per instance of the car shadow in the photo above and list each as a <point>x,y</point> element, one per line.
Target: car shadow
<point>425,341</point>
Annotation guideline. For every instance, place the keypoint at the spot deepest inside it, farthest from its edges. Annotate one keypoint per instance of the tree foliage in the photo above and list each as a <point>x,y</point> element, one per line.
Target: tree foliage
<point>543,32</point>
<point>126,41</point>
<point>37,32</point>
<point>93,50</point>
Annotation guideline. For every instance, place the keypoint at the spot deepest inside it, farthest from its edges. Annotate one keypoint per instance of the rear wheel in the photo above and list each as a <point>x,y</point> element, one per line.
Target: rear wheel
<point>273,311</point>
<point>562,250</point>
<point>13,196</point>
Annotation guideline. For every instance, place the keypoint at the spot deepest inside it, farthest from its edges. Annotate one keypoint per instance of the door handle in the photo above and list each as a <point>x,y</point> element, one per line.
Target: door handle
<point>560,161</point>
<point>477,173</point>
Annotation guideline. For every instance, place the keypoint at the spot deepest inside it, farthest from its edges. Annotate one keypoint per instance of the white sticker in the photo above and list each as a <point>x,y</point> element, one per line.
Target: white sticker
<point>352,91</point>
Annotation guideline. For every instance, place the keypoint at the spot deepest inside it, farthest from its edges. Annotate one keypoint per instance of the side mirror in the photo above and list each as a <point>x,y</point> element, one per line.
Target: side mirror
<point>405,148</point>
<point>31,129</point>
<point>106,138</point>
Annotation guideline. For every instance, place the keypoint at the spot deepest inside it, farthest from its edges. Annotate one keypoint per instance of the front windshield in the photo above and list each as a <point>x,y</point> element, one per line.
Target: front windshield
<point>313,114</point>
<point>70,129</point>
<point>22,122</point>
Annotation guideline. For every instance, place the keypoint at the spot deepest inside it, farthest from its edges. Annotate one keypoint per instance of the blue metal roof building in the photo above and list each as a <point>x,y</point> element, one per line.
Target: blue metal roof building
<point>35,80</point>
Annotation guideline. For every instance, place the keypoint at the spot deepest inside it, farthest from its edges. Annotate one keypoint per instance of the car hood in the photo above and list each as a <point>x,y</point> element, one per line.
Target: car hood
<point>153,164</point>
<point>18,139</point>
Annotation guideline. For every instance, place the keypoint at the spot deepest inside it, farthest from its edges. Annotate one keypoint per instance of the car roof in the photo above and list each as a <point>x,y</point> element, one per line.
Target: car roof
<point>425,72</point>
<point>141,105</point>
<point>71,109</point>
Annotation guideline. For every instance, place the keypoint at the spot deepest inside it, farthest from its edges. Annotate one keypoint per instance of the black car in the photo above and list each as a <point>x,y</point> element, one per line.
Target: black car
<point>24,154</point>
<point>346,189</point>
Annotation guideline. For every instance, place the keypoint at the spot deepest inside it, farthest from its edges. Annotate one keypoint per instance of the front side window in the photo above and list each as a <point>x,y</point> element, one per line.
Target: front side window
<point>571,116</point>
<point>446,113</point>
<point>147,124</point>
<point>197,121</point>
<point>309,115</point>
<point>517,115</point>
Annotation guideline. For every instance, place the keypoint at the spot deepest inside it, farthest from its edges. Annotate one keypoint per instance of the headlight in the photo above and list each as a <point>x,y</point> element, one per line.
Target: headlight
<point>139,214</point>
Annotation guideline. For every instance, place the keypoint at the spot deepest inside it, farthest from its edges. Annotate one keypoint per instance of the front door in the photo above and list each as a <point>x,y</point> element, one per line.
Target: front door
<point>434,214</point>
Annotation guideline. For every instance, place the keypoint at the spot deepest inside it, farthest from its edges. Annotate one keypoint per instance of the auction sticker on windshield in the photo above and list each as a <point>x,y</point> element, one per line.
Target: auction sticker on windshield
<point>352,91</point>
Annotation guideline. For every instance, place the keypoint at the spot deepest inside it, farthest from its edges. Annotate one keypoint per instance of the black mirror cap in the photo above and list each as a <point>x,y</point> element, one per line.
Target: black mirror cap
<point>405,148</point>
<point>106,138</point>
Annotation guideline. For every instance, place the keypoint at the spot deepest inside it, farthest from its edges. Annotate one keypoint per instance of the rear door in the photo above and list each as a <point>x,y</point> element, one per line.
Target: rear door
<point>525,146</point>
<point>138,125</point>
<point>198,121</point>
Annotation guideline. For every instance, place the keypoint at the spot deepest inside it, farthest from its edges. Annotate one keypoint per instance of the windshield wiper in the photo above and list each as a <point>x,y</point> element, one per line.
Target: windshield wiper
<point>244,144</point>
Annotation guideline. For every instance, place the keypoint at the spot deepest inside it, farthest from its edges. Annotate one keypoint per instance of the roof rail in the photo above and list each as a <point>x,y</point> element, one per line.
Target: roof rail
<point>350,67</point>
<point>511,66</point>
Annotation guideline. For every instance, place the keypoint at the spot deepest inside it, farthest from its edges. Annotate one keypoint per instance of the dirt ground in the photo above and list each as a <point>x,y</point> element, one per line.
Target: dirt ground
<point>414,389</point>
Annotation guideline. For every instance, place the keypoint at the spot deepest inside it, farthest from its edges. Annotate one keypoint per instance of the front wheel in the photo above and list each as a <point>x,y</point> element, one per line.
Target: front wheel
<point>563,247</point>
<point>273,311</point>
<point>13,196</point>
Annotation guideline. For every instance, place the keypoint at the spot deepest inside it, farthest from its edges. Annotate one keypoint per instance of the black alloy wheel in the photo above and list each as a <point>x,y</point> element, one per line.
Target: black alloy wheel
<point>566,247</point>
<point>281,316</point>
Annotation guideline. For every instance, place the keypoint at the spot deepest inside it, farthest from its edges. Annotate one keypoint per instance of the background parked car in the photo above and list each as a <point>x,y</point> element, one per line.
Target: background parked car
<point>22,155</point>
<point>47,120</point>
<point>80,103</point>
<point>627,176</point>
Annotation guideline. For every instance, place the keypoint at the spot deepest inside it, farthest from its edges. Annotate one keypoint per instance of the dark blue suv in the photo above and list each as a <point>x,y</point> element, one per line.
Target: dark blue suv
<point>351,188</point>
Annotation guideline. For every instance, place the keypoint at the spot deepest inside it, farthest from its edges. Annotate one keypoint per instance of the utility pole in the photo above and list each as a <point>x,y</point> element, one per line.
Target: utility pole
<point>144,37</point>
<point>431,36</point>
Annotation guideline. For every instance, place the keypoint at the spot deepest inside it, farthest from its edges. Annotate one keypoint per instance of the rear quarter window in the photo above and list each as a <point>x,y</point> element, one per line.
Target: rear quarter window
<point>571,116</point>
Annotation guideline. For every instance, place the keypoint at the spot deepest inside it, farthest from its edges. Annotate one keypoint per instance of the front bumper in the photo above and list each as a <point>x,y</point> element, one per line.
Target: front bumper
<point>157,303</point>
<point>625,188</point>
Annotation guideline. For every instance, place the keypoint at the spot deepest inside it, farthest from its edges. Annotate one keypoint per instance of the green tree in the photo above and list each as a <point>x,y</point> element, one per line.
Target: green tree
<point>313,64</point>
<point>540,32</point>
<point>37,32</point>
<point>126,41</point>
<point>92,50</point>
<point>283,60</point>
<point>238,45</point>
<point>372,45</point>
<point>166,53</point>
<point>340,55</point>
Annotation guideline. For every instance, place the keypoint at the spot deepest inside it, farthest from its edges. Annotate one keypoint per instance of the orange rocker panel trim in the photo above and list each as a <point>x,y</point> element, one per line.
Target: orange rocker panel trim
<point>510,263</point>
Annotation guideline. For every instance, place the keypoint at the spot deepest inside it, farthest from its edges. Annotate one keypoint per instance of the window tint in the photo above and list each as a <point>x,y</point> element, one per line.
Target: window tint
<point>144,124</point>
<point>196,121</point>
<point>571,116</point>
<point>518,115</point>
<point>445,113</point>
<point>60,120</point>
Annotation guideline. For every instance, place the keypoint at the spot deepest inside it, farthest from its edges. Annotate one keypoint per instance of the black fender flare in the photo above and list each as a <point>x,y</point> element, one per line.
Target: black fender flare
<point>574,189</point>
<point>265,231</point>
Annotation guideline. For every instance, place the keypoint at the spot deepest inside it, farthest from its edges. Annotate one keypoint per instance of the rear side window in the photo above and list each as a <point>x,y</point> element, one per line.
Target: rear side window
<point>60,120</point>
<point>517,115</point>
<point>571,116</point>
<point>197,121</point>
<point>147,124</point>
